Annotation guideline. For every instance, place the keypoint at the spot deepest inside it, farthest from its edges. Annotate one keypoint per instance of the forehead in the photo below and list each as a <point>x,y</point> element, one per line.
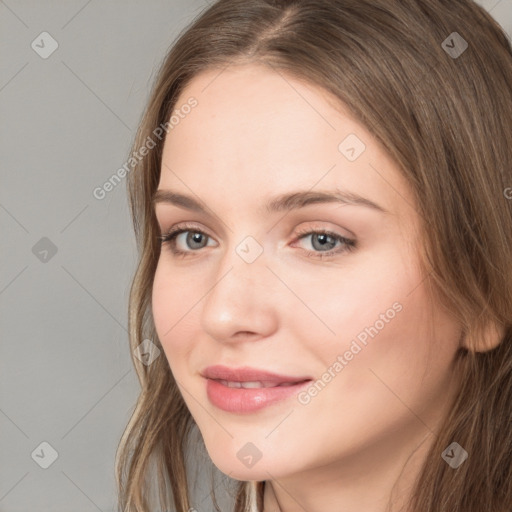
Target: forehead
<point>259,132</point>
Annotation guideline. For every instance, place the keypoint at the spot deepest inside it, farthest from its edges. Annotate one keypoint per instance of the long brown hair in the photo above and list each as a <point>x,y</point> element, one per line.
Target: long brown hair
<point>432,81</point>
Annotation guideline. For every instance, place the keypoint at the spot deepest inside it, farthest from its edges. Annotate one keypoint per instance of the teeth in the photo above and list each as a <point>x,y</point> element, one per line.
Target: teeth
<point>253,384</point>
<point>250,385</point>
<point>231,384</point>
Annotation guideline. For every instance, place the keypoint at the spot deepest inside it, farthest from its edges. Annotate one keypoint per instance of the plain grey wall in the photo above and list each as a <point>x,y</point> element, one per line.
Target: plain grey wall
<point>68,116</point>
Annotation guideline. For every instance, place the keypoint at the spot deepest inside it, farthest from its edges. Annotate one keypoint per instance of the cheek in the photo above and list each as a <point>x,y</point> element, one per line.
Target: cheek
<point>173,312</point>
<point>368,294</point>
<point>376,315</point>
<point>390,356</point>
<point>163,302</point>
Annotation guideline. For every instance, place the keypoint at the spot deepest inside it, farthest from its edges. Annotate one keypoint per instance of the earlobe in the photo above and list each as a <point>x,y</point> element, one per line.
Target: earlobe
<point>484,339</point>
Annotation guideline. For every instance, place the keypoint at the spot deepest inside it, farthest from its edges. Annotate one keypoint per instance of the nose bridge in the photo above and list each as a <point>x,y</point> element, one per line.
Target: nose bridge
<point>242,266</point>
<point>238,298</point>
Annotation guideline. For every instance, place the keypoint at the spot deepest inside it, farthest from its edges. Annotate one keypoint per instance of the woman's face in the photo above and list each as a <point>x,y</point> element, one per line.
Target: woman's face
<point>264,288</point>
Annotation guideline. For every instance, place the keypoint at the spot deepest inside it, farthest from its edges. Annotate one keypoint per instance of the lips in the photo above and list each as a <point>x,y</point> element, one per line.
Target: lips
<point>250,375</point>
<point>246,390</point>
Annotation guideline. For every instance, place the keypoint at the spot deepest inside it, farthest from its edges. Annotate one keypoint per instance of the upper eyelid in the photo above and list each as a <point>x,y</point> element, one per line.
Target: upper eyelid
<point>180,229</point>
<point>159,210</point>
<point>303,231</point>
<point>185,227</point>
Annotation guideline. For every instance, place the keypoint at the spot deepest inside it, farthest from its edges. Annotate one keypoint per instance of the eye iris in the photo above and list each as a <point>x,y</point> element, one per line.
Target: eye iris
<point>322,237</point>
<point>193,238</point>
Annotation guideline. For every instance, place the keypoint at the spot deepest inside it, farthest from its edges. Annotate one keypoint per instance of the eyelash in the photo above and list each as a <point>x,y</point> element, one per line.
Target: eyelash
<point>170,238</point>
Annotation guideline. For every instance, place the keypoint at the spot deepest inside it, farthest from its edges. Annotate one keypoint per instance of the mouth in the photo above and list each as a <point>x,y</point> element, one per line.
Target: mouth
<point>247,390</point>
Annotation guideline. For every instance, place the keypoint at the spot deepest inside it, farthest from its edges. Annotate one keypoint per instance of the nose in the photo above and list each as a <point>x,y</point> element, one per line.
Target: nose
<point>241,303</point>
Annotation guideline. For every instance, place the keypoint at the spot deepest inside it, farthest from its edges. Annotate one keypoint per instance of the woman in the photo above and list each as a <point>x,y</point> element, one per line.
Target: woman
<point>325,240</point>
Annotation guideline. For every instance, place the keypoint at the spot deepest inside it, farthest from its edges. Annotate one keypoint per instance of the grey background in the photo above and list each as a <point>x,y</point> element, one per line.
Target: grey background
<point>67,122</point>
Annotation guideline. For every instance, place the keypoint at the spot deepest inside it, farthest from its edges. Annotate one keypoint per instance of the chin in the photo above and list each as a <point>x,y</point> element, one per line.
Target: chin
<point>236,467</point>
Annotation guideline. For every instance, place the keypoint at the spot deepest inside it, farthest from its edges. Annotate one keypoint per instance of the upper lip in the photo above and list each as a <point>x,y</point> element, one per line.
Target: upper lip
<point>248,374</point>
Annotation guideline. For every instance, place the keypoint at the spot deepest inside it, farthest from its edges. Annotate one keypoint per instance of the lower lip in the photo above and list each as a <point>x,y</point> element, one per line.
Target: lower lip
<point>240,400</point>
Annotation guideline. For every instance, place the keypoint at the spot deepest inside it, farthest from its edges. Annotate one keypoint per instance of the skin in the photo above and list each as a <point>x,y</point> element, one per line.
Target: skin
<point>257,133</point>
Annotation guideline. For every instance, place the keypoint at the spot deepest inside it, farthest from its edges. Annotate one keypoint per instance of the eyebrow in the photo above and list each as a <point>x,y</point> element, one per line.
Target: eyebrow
<point>283,202</point>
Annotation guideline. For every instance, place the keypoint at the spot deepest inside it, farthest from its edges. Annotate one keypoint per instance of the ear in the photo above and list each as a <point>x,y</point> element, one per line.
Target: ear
<point>483,339</point>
